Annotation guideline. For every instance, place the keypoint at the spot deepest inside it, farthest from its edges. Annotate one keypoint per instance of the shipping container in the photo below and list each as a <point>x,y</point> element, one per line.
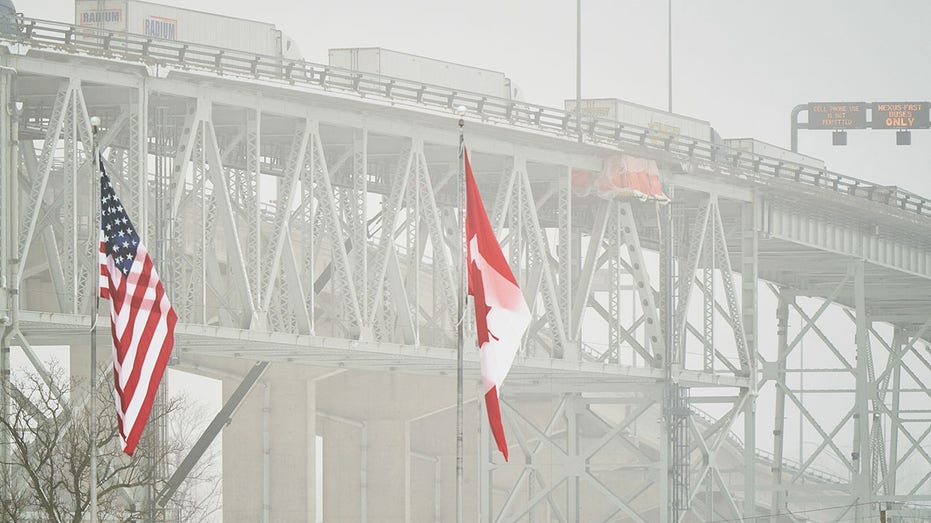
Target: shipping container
<point>394,64</point>
<point>185,25</point>
<point>790,159</point>
<point>661,123</point>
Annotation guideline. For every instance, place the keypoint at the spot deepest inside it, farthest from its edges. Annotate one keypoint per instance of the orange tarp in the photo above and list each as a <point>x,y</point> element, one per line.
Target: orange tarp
<point>622,177</point>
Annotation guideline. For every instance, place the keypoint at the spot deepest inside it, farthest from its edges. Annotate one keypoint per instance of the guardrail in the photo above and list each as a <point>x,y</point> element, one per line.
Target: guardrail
<point>37,33</point>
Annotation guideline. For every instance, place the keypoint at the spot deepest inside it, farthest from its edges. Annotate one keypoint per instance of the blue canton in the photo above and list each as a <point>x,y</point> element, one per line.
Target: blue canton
<point>119,235</point>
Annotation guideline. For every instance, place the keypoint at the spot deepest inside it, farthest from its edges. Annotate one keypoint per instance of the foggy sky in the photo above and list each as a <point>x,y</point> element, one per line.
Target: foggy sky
<point>741,64</point>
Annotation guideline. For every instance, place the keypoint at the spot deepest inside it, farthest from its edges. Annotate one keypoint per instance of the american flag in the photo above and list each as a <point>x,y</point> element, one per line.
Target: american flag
<point>142,320</point>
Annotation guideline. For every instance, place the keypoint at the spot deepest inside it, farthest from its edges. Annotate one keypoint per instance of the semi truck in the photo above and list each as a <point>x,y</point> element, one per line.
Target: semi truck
<point>395,64</point>
<point>7,17</point>
<point>662,124</point>
<point>788,158</point>
<point>186,25</point>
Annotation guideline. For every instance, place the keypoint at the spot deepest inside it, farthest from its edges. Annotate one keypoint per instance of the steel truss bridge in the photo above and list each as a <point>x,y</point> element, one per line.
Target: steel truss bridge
<point>304,219</point>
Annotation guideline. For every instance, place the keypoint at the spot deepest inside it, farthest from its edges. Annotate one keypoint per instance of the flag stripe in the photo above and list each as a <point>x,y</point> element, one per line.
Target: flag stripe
<point>131,313</point>
<point>145,407</point>
<point>104,271</point>
<point>136,317</point>
<point>149,330</point>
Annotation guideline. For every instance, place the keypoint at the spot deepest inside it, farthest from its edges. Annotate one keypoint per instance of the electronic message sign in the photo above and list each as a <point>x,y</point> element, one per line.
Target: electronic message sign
<point>900,115</point>
<point>837,115</point>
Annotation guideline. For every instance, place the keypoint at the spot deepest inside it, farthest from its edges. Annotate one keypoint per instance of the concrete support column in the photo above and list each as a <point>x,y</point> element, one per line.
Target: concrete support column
<point>389,466</point>
<point>269,449</point>
<point>375,422</point>
<point>243,457</point>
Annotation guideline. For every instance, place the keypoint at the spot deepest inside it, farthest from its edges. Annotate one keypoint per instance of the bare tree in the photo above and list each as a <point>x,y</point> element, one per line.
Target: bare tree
<point>47,475</point>
<point>14,496</point>
<point>199,497</point>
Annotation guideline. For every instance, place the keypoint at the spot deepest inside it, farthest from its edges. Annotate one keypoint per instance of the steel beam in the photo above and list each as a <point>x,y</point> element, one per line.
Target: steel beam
<point>211,432</point>
<point>746,333</point>
<point>862,457</point>
<point>782,327</point>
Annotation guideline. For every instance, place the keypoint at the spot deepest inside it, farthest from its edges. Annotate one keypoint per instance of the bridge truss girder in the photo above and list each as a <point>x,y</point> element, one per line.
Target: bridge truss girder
<point>311,226</point>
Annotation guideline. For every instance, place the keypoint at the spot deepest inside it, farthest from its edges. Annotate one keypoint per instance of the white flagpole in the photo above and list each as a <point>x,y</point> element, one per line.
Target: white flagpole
<point>95,232</point>
<point>462,307</point>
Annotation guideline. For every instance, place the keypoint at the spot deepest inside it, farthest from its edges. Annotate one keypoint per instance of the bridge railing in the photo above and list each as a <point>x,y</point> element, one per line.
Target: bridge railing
<point>129,47</point>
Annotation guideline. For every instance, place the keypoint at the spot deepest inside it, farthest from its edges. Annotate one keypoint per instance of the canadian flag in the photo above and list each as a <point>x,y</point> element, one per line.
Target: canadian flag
<point>501,314</point>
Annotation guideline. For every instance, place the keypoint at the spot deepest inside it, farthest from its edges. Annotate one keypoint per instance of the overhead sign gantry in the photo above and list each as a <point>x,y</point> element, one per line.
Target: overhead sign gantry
<point>843,116</point>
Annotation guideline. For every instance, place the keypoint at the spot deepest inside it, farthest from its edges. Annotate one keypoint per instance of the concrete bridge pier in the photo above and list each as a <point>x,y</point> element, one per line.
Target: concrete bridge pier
<point>269,459</point>
<point>389,447</point>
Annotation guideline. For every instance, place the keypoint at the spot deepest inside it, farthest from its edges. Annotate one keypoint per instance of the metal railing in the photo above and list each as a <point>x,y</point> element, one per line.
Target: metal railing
<point>128,47</point>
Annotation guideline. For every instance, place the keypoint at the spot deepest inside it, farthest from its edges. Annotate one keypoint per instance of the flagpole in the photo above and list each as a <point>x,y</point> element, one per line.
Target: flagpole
<point>461,315</point>
<point>95,304</point>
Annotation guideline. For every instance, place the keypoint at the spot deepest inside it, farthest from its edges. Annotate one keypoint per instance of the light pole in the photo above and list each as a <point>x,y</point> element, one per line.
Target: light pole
<point>578,67</point>
<point>460,335</point>
<point>669,45</point>
<point>578,63</point>
<point>95,184</point>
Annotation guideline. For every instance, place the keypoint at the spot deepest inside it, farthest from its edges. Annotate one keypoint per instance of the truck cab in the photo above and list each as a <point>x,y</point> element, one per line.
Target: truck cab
<point>289,48</point>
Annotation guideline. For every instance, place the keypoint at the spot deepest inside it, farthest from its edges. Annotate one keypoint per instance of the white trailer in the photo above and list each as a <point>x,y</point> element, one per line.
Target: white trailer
<point>7,17</point>
<point>790,159</point>
<point>185,25</point>
<point>661,123</point>
<point>394,64</point>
